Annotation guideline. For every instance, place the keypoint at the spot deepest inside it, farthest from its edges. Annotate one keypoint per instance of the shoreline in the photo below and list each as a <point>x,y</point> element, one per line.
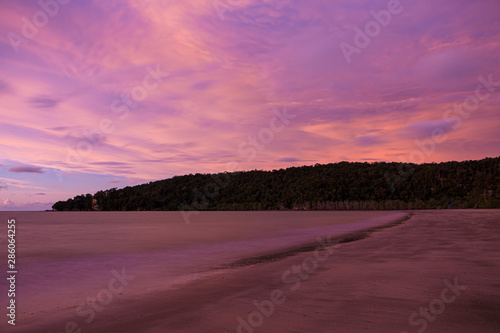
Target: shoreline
<point>330,241</point>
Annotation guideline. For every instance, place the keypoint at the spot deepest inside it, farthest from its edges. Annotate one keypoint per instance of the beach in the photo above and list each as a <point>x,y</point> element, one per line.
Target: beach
<point>432,271</point>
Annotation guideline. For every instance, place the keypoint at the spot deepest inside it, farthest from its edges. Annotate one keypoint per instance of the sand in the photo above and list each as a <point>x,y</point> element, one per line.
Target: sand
<point>441,268</point>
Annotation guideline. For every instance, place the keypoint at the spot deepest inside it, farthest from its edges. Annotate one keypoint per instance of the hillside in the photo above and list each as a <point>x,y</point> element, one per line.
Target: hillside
<point>339,186</point>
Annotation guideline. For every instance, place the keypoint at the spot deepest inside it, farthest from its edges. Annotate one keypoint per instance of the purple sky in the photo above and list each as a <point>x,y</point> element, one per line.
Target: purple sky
<point>101,94</point>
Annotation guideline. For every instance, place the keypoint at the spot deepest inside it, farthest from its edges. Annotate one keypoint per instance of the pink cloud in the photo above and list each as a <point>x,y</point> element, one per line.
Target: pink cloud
<point>7,202</point>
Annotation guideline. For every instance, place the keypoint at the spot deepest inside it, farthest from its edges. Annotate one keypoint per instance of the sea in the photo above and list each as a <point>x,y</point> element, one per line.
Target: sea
<point>67,259</point>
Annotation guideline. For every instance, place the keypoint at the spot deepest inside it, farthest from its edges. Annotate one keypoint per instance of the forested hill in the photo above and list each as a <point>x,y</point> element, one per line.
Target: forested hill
<point>339,186</point>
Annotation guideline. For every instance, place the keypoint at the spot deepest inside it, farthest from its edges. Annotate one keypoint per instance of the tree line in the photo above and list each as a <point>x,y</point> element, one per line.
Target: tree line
<point>336,186</point>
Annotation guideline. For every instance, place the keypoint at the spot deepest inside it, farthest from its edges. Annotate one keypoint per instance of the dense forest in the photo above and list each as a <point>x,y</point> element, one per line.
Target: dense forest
<point>339,186</point>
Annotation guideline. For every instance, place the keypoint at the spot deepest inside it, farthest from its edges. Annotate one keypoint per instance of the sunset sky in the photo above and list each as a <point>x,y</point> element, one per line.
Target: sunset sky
<point>102,94</point>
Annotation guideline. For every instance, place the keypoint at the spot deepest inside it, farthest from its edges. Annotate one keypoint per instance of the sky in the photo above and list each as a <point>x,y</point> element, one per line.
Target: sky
<point>103,94</point>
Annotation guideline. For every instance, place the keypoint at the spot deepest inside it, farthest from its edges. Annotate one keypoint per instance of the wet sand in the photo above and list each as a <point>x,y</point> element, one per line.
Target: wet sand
<point>441,268</point>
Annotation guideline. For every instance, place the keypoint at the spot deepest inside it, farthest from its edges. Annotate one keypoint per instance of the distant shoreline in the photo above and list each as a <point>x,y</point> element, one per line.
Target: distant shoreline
<point>275,210</point>
<point>336,187</point>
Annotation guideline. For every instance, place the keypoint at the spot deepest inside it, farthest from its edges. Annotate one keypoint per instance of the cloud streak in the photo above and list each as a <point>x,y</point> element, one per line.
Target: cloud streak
<point>43,102</point>
<point>26,169</point>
